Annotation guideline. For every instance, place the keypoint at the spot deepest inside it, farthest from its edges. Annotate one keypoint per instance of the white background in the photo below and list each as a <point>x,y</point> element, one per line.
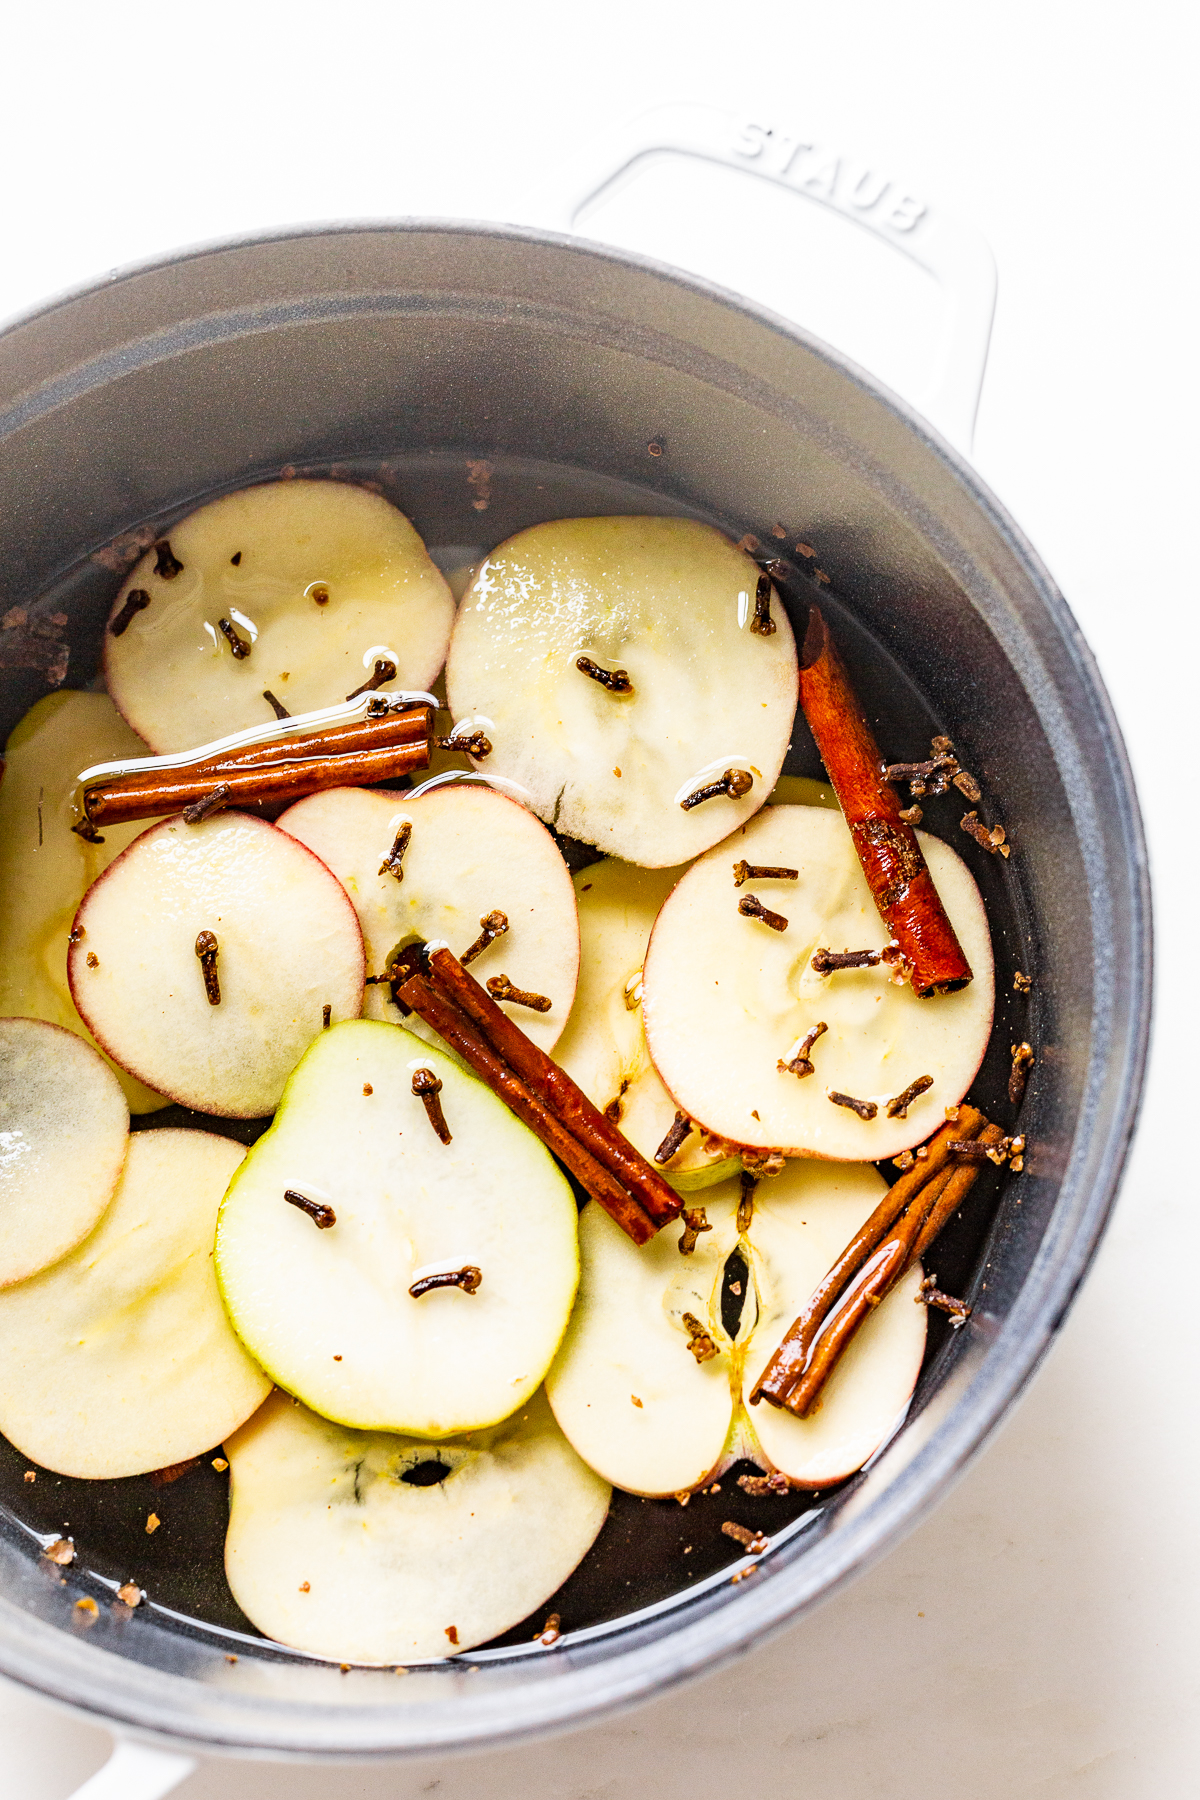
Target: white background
<point>1037,1636</point>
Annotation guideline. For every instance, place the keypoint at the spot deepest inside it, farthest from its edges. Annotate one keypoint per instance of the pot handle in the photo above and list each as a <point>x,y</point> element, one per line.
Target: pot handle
<point>136,1772</point>
<point>954,253</point>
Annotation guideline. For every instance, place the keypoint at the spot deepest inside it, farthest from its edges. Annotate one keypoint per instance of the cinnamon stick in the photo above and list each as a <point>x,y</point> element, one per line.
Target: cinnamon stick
<point>281,769</point>
<point>891,857</point>
<point>555,1089</point>
<point>785,1367</point>
<point>420,995</point>
<point>914,1232</point>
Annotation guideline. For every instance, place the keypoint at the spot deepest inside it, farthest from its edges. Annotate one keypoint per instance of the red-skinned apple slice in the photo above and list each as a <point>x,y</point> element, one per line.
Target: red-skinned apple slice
<point>469,852</point>
<point>299,588</point>
<point>340,1545</point>
<point>120,1358</point>
<point>717,980</point>
<point>677,685</point>
<point>287,946</point>
<point>64,1126</point>
<point>604,1046</point>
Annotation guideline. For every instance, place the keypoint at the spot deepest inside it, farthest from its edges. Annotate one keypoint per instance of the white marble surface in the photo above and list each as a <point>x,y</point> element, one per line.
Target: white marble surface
<point>1036,1636</point>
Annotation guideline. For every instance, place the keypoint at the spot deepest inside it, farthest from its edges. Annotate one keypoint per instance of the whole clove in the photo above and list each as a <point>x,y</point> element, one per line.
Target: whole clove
<point>753,1542</point>
<point>471,743</point>
<point>202,809</point>
<point>674,1140</point>
<point>276,706</point>
<point>167,563</point>
<point>494,925</point>
<point>736,783</point>
<point>427,1087</point>
<point>1022,1061</point>
<point>898,1107</point>
<point>467,1278</point>
<point>384,670</point>
<point>826,961</point>
<point>615,680</point>
<point>699,1342</point>
<point>744,872</point>
<point>237,643</point>
<point>321,1215</point>
<point>745,1211</point>
<point>800,1061</point>
<point>695,1221</point>
<point>501,988</point>
<point>931,1295</point>
<point>993,840</point>
<point>136,601</point>
<point>762,624</point>
<point>751,907</point>
<point>866,1109</point>
<point>206,950</point>
<point>395,856</point>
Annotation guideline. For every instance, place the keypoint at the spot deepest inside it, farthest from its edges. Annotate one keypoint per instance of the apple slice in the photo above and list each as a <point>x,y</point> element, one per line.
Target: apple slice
<point>120,1358</point>
<point>727,998</point>
<point>287,947</point>
<point>45,870</point>
<point>330,1312</point>
<point>604,1046</point>
<point>469,852</point>
<point>64,1126</point>
<point>370,1548</point>
<point>297,588</point>
<point>677,687</point>
<point>802,1221</point>
<point>651,1418</point>
<point>630,1395</point>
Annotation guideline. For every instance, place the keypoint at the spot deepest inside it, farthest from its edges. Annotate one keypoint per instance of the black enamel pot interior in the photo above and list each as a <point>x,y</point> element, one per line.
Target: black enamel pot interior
<point>403,353</point>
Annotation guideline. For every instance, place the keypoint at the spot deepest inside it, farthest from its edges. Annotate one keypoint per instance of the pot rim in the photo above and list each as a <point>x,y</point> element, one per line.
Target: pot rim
<point>180,1710</point>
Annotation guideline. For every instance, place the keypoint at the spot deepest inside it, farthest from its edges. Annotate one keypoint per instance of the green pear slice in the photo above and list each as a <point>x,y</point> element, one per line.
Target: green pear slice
<point>604,1047</point>
<point>64,1126</point>
<point>319,579</point>
<point>331,1550</point>
<point>470,852</point>
<point>726,998</point>
<point>626,1389</point>
<point>803,1219</point>
<point>45,870</point>
<point>288,946</point>
<point>120,1358</point>
<point>328,1311</point>
<point>668,601</point>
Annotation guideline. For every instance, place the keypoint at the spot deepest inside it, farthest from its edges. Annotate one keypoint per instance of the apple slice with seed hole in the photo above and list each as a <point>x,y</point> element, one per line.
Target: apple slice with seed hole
<point>604,1046</point>
<point>630,1395</point>
<point>469,852</point>
<point>681,687</point>
<point>641,1409</point>
<point>287,945</point>
<point>120,1358</point>
<point>64,1126</point>
<point>714,977</point>
<point>329,1312</point>
<point>803,1220</point>
<point>45,870</point>
<point>299,588</point>
<point>373,1548</point>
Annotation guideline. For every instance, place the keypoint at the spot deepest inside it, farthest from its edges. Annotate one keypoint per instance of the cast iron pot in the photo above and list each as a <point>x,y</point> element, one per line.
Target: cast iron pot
<point>410,349</point>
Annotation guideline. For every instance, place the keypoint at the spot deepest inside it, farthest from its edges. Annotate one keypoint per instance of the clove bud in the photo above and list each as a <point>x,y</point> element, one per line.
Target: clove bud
<point>736,783</point>
<point>206,950</point>
<point>494,924</point>
<point>751,907</point>
<point>321,1215</point>
<point>615,680</point>
<point>467,1278</point>
<point>426,1087</point>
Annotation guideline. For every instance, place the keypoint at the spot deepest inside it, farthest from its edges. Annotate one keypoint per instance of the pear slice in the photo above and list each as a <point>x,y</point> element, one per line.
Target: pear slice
<point>120,1358</point>
<point>645,1414</point>
<point>64,1126</point>
<point>470,852</point>
<point>339,1545</point>
<point>329,1312</point>
<point>802,1221</point>
<point>630,1395</point>
<point>316,581</point>
<point>45,870</point>
<point>727,998</point>
<point>669,605</point>
<point>604,1046</point>
<point>287,946</point>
